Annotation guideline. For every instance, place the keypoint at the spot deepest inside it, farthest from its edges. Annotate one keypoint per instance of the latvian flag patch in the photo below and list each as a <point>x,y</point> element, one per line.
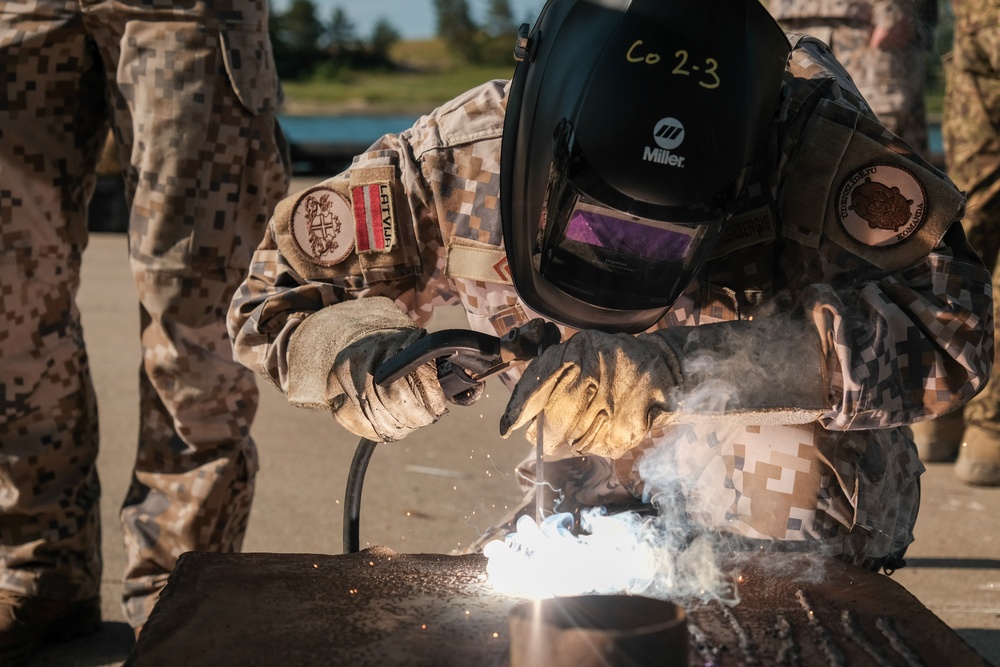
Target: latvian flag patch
<point>374,219</point>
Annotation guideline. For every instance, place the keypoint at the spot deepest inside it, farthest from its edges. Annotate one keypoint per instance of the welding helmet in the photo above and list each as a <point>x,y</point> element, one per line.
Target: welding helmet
<point>631,126</point>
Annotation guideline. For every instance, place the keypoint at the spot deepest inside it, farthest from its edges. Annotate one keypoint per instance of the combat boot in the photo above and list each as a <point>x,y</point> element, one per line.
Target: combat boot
<point>938,440</point>
<point>979,459</point>
<point>27,622</point>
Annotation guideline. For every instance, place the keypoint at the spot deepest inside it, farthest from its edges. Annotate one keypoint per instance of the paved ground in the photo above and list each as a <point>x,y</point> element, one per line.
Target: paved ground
<point>437,488</point>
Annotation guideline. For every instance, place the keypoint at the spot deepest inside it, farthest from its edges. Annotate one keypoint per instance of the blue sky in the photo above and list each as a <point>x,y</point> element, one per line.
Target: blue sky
<point>414,19</point>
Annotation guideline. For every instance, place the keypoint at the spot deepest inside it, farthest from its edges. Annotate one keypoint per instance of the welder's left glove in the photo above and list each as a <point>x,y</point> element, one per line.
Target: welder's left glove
<point>332,357</point>
<point>602,393</point>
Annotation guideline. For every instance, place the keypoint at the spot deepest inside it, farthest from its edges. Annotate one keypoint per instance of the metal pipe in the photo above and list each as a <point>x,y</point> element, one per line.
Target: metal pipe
<point>596,631</point>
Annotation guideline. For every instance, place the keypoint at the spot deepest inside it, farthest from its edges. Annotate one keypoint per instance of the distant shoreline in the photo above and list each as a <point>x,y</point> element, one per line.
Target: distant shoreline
<point>353,108</point>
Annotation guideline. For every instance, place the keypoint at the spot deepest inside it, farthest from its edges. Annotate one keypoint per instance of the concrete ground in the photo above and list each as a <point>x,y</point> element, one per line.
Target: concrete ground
<point>439,487</point>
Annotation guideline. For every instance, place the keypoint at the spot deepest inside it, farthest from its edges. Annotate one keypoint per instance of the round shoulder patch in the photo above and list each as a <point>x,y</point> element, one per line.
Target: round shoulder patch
<point>881,204</point>
<point>323,227</point>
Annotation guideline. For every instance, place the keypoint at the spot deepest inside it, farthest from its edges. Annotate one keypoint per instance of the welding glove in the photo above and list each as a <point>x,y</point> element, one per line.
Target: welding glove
<point>602,393</point>
<point>332,356</point>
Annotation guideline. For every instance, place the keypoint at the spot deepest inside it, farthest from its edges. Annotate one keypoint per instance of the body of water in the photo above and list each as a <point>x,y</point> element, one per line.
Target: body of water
<point>341,129</point>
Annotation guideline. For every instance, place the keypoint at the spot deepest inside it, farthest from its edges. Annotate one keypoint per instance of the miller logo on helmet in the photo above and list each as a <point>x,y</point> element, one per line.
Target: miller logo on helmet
<point>668,135</point>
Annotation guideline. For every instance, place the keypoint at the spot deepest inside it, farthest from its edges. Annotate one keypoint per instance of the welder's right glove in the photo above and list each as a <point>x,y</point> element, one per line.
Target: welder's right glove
<point>333,354</point>
<point>602,393</point>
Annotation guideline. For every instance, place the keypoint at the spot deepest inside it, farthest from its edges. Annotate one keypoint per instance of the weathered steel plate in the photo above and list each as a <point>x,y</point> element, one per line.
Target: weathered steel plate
<point>377,607</point>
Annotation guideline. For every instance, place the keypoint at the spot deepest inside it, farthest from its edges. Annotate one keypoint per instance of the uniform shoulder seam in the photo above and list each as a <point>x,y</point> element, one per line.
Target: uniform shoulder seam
<point>473,116</point>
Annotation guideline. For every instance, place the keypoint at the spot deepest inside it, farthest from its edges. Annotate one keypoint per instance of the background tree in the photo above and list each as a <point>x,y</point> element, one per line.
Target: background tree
<point>499,33</point>
<point>295,35</point>
<point>500,20</point>
<point>342,35</point>
<point>384,36</point>
<point>306,48</point>
<point>456,27</point>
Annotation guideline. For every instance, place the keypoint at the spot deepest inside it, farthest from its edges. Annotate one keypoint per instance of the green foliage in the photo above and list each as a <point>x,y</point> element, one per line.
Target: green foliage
<point>489,44</point>
<point>500,20</point>
<point>388,91</point>
<point>384,36</point>
<point>456,27</point>
<point>307,48</point>
<point>341,32</point>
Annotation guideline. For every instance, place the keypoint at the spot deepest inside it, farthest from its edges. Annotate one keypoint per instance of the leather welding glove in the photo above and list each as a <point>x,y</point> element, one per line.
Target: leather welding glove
<point>333,354</point>
<point>602,393</point>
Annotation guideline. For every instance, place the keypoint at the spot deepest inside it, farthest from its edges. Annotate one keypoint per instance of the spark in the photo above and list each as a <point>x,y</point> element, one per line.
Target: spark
<point>437,472</point>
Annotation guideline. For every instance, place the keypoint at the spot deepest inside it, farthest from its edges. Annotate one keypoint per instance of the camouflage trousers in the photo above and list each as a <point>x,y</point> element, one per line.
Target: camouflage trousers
<point>972,150</point>
<point>892,82</point>
<point>189,90</point>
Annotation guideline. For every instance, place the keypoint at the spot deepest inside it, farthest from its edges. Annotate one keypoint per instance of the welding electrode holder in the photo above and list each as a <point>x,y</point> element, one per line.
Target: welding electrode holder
<point>464,360</point>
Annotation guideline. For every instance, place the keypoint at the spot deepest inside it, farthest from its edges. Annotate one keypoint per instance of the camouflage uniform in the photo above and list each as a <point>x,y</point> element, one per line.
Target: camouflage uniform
<point>189,90</point>
<point>892,82</point>
<point>972,149</point>
<point>904,314</point>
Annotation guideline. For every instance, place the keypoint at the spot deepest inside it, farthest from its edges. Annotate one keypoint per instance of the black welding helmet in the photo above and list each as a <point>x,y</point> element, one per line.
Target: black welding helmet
<point>630,128</point>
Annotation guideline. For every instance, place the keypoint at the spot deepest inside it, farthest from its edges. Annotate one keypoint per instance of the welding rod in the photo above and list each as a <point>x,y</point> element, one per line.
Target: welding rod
<point>539,466</point>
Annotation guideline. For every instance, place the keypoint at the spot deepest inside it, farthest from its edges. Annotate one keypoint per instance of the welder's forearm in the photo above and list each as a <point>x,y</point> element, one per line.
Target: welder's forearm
<point>264,354</point>
<point>767,371</point>
<point>266,310</point>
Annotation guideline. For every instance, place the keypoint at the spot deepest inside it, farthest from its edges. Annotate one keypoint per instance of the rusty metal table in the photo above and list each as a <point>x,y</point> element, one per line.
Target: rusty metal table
<point>381,608</point>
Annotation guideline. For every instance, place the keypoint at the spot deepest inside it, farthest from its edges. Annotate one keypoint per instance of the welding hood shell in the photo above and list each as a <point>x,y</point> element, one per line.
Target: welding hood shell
<point>651,108</point>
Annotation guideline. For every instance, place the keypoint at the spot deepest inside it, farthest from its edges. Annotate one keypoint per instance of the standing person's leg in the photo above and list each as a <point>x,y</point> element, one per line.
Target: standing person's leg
<point>972,150</point>
<point>194,116</point>
<point>895,87</point>
<point>893,83</point>
<point>52,124</point>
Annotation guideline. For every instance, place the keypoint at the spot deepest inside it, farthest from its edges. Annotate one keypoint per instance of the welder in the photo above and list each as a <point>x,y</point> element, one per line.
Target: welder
<point>746,266</point>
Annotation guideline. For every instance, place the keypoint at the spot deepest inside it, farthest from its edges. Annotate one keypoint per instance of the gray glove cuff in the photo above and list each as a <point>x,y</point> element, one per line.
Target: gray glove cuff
<point>765,371</point>
<point>315,344</point>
